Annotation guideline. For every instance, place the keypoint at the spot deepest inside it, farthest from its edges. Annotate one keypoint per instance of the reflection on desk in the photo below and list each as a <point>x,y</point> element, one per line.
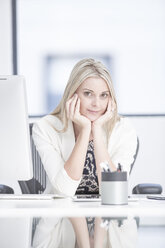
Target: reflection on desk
<point>86,232</point>
<point>59,223</point>
<point>125,232</point>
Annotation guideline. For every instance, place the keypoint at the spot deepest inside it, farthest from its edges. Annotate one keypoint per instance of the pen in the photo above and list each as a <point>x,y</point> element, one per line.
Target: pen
<point>119,168</point>
<point>105,166</point>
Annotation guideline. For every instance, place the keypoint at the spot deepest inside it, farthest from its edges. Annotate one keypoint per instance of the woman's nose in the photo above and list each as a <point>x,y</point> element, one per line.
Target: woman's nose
<point>95,102</point>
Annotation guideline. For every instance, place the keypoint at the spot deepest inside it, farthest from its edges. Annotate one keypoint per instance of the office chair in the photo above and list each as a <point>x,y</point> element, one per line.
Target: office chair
<point>38,183</point>
<point>135,156</point>
<point>144,188</point>
<point>4,189</point>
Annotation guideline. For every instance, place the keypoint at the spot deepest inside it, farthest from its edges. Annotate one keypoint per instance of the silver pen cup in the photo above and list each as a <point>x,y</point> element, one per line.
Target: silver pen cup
<point>114,188</point>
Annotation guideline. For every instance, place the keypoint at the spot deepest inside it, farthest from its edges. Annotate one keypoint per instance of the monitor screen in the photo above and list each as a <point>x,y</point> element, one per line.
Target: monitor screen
<point>15,151</point>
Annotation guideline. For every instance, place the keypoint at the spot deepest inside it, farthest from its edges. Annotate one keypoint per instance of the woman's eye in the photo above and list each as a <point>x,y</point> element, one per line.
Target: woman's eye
<point>87,93</point>
<point>104,95</point>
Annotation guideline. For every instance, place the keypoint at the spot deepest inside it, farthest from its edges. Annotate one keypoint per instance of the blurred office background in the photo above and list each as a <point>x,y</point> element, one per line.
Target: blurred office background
<point>43,39</point>
<point>128,36</point>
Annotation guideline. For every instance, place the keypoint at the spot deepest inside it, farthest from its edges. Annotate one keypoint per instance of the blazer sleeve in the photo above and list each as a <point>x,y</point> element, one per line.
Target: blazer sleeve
<point>48,144</point>
<point>123,144</point>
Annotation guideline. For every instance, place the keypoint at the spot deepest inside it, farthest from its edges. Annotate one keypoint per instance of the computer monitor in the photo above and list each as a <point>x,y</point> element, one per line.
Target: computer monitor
<point>15,151</point>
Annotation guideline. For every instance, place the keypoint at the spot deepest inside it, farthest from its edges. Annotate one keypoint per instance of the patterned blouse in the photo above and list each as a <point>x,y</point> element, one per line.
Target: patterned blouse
<point>89,181</point>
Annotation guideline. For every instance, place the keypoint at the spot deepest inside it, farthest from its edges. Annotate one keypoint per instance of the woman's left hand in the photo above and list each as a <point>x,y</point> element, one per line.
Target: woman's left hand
<point>105,117</point>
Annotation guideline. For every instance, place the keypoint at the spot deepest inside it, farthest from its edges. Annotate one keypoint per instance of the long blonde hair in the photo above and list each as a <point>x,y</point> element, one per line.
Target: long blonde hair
<point>84,69</point>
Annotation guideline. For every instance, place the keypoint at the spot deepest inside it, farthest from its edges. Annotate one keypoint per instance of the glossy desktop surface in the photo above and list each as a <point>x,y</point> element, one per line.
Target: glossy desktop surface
<point>64,223</point>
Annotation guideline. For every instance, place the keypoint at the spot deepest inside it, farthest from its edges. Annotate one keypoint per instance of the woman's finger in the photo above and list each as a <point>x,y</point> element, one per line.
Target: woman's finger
<point>72,106</point>
<point>113,105</point>
<point>108,114</point>
<point>109,108</point>
<point>67,106</point>
<point>77,107</point>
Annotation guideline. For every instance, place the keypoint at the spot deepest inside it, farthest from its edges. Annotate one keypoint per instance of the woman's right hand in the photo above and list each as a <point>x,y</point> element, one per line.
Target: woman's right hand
<point>73,113</point>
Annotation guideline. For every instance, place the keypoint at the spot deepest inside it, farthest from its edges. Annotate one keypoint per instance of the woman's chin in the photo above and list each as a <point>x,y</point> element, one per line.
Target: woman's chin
<point>92,118</point>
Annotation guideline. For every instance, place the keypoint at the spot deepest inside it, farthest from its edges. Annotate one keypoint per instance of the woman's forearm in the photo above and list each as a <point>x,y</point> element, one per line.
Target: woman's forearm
<point>75,164</point>
<point>101,151</point>
<point>99,234</point>
<point>81,231</point>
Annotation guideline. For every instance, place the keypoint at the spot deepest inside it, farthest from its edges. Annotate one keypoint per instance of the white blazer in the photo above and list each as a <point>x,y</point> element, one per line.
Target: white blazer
<point>55,148</point>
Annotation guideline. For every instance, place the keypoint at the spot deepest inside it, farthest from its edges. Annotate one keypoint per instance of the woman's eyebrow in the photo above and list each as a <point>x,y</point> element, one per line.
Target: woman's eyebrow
<point>106,91</point>
<point>88,89</point>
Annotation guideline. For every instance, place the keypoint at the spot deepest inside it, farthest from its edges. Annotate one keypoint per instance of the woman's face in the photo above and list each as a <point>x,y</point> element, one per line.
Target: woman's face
<point>94,96</point>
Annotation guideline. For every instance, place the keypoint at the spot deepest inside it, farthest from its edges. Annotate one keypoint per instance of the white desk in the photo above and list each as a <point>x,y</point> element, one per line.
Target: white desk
<point>66,207</point>
<point>151,214</point>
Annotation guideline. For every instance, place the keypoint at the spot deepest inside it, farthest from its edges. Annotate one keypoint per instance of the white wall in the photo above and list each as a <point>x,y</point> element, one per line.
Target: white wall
<point>5,38</point>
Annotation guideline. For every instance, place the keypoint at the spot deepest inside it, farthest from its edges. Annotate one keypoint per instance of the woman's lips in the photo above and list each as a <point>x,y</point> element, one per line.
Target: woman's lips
<point>93,112</point>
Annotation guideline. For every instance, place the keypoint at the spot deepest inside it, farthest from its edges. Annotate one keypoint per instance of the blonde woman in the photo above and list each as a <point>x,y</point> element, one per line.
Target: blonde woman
<point>83,131</point>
